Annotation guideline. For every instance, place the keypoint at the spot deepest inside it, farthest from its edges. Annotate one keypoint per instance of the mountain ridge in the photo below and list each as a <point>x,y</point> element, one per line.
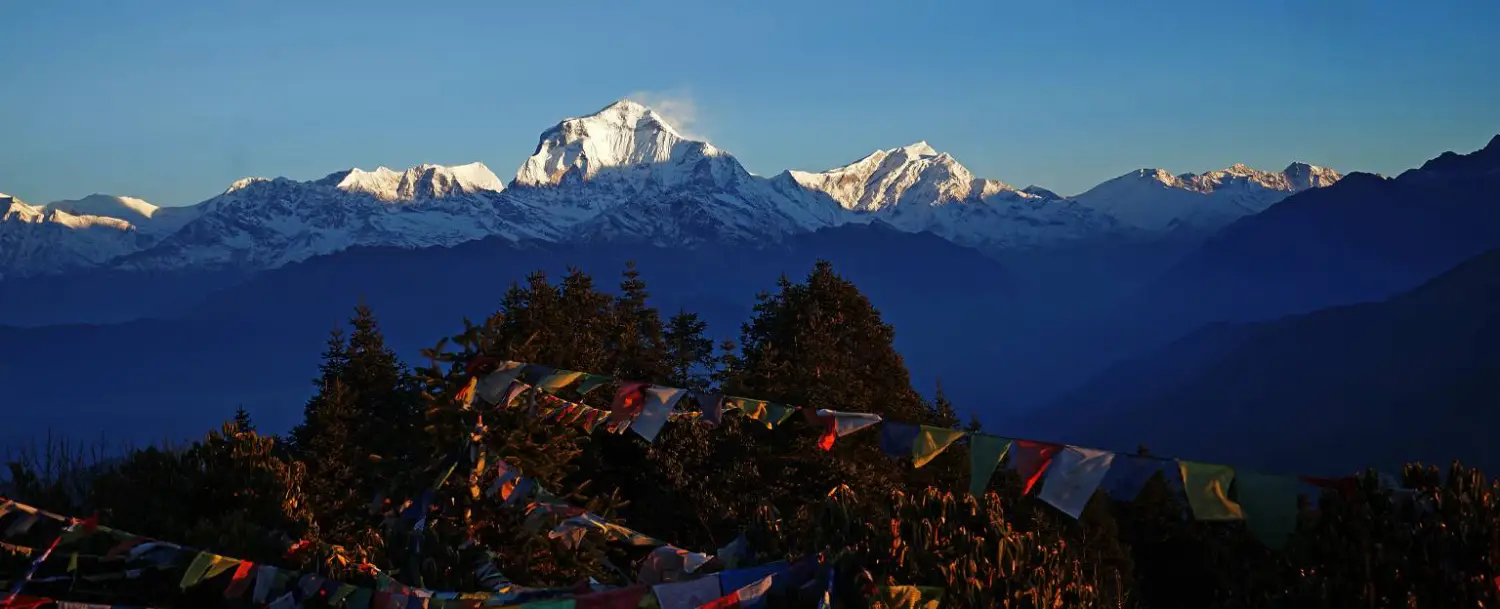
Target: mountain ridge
<point>621,173</point>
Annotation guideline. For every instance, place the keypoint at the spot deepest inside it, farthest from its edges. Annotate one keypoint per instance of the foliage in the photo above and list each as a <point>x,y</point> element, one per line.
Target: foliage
<point>394,469</point>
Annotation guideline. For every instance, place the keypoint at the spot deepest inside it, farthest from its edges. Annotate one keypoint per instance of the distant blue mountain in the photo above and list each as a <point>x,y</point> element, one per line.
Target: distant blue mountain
<point>1414,377</point>
<point>1362,239</point>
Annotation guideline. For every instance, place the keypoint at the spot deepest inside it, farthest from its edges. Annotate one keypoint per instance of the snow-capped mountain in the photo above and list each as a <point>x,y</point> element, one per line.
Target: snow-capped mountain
<point>262,223</point>
<point>620,174</point>
<point>1155,200</point>
<point>420,182</point>
<point>917,189</point>
<point>47,239</point>
<point>623,173</point>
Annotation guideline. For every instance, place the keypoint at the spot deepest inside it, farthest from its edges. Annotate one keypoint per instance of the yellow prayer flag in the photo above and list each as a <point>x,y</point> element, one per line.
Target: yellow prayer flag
<point>1207,488</point>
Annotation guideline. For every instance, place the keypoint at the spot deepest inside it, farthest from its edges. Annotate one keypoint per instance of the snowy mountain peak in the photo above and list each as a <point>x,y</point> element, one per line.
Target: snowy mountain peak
<point>244,183</point>
<point>1302,176</point>
<point>919,149</point>
<point>129,209</point>
<point>421,182</point>
<point>886,178</point>
<point>1154,199</point>
<point>11,207</point>
<point>622,134</point>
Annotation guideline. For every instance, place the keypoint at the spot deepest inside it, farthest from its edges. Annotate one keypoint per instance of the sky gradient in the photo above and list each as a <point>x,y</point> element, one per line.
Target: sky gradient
<point>173,100</point>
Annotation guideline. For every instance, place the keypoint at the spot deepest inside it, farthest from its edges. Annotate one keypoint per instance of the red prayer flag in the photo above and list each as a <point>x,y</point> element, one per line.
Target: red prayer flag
<point>629,401</point>
<point>623,598</point>
<point>1032,458</point>
<point>241,581</point>
<point>830,432</point>
<point>27,602</point>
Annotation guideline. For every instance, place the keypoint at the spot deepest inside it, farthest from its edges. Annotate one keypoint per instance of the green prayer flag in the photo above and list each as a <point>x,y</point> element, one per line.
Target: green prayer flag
<point>554,382</point>
<point>777,414</point>
<point>343,592</point>
<point>931,442</point>
<point>561,603</point>
<point>985,453</point>
<point>195,571</point>
<point>1207,489</point>
<point>592,382</point>
<point>360,598</point>
<point>1270,506</point>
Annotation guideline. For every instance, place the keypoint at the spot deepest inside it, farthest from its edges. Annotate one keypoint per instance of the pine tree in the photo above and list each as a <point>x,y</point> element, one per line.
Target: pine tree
<point>242,420</point>
<point>690,353</point>
<point>357,433</point>
<point>639,343</point>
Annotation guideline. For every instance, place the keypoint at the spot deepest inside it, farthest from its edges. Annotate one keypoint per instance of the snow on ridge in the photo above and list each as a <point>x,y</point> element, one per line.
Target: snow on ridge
<point>622,134</point>
<point>913,173</point>
<point>1155,200</point>
<point>129,209</point>
<point>425,181</point>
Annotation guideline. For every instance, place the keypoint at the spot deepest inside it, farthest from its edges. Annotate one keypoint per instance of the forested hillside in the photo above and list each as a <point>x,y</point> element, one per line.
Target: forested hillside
<point>619,466</point>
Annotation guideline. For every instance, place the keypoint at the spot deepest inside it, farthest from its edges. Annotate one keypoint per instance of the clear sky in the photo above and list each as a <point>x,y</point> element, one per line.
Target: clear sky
<point>173,100</point>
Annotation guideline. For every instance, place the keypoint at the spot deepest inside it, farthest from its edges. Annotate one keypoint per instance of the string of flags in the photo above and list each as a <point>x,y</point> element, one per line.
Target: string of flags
<point>1067,475</point>
<point>671,577</point>
<point>677,586</point>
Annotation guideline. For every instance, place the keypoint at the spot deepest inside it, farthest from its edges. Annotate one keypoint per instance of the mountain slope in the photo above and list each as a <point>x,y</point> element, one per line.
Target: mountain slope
<point>1416,376</point>
<point>259,223</point>
<point>917,189</point>
<point>1154,200</point>
<point>1361,239</point>
<point>624,174</point>
<point>36,239</point>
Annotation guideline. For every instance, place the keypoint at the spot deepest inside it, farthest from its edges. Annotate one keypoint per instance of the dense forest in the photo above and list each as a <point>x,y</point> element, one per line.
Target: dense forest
<point>428,484</point>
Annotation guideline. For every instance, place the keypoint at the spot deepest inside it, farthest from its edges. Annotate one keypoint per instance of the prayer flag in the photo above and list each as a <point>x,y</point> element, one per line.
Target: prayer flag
<point>907,597</point>
<point>264,578</point>
<point>629,400</point>
<point>196,569</point>
<point>735,579</point>
<point>1270,506</point>
<point>495,384</point>
<point>985,453</point>
<point>1075,474</point>
<point>750,596</point>
<point>592,382</point>
<point>1207,489</point>
<point>712,407</point>
<point>241,580</point>
<point>660,401</point>
<point>931,442</point>
<point>555,382</point>
<point>690,594</point>
<point>622,598</point>
<point>1031,460</point>
<point>1128,475</point>
<point>840,424</point>
<point>897,439</point>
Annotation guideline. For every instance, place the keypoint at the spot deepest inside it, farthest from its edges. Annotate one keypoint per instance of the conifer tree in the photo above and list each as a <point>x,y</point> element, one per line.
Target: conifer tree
<point>358,431</point>
<point>242,420</point>
<point>690,352</point>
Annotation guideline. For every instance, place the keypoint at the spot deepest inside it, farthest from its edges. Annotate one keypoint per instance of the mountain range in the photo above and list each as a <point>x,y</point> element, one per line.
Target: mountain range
<point>621,174</point>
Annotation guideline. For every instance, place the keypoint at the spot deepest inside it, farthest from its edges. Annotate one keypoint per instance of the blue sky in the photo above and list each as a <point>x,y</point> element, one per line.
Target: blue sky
<point>171,101</point>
